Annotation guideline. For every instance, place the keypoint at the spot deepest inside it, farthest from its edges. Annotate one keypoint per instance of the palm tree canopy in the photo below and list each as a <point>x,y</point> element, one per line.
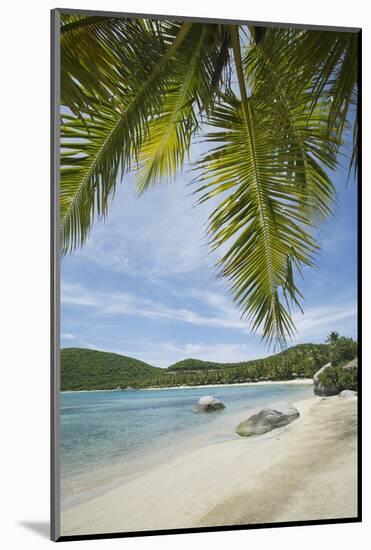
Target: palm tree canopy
<point>135,93</point>
<point>333,337</point>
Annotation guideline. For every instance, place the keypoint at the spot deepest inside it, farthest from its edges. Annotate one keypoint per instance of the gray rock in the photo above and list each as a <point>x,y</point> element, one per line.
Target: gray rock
<point>353,364</point>
<point>348,393</point>
<point>274,416</point>
<point>324,390</point>
<point>208,403</point>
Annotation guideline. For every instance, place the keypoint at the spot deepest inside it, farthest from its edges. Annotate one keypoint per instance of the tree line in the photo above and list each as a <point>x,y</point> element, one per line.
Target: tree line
<point>83,369</point>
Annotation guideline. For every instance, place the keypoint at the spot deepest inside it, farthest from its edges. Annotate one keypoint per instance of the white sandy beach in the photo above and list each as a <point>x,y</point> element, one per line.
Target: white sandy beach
<point>305,471</point>
<point>295,381</point>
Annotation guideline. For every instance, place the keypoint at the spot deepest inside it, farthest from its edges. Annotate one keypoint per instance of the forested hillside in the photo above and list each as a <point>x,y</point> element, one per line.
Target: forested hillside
<point>85,369</point>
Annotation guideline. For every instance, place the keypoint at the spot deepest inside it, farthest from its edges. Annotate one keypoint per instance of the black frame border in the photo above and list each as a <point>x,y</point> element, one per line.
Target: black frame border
<point>55,283</point>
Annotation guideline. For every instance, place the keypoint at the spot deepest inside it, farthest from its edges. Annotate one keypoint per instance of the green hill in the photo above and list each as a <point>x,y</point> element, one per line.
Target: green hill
<point>87,369</point>
<point>197,364</point>
<point>301,354</point>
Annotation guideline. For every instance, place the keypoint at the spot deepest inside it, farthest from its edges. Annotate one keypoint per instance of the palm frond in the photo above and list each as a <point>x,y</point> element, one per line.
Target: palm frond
<point>190,87</point>
<point>353,160</point>
<point>307,147</point>
<point>88,60</point>
<point>329,60</point>
<point>322,62</point>
<point>259,219</point>
<point>220,72</point>
<point>103,55</point>
<point>97,148</point>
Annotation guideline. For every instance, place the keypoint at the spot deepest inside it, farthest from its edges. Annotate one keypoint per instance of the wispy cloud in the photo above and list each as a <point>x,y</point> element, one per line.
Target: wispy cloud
<point>116,304</point>
<point>219,352</point>
<point>76,294</point>
<point>160,234</point>
<point>208,309</point>
<point>323,319</point>
<point>167,353</point>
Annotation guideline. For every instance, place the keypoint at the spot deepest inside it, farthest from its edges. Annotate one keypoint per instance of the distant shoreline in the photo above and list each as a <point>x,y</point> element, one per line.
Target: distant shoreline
<point>306,381</point>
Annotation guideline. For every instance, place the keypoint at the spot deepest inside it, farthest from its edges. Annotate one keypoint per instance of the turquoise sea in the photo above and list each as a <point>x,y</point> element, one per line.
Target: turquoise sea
<point>108,436</point>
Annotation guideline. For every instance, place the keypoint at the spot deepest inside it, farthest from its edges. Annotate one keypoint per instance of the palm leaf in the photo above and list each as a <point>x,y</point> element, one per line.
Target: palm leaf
<point>100,54</point>
<point>190,88</point>
<point>307,146</point>
<point>98,148</point>
<point>259,219</point>
<point>327,62</point>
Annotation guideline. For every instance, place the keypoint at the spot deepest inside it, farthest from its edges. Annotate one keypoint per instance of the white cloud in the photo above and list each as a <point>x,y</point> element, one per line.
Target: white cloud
<point>158,234</point>
<point>220,352</point>
<point>128,304</point>
<point>313,325</point>
<point>319,321</point>
<point>165,354</point>
<point>76,294</point>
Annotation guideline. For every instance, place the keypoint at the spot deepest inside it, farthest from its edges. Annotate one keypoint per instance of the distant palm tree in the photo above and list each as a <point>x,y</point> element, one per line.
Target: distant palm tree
<point>332,337</point>
<point>271,104</point>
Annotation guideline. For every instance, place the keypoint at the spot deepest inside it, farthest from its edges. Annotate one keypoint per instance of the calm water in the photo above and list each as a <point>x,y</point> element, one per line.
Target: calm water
<point>111,435</point>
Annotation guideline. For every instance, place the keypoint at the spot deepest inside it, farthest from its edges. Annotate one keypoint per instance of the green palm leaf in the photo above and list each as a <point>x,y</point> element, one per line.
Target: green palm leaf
<point>97,148</point>
<point>259,220</point>
<point>307,146</point>
<point>190,88</point>
<point>324,62</point>
<point>99,54</point>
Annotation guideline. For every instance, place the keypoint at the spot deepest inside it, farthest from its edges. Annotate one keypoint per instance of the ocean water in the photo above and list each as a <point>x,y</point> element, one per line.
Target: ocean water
<point>107,437</point>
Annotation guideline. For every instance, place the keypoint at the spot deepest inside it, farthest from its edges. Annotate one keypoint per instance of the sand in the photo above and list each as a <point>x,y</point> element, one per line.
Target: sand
<point>295,381</point>
<point>305,471</point>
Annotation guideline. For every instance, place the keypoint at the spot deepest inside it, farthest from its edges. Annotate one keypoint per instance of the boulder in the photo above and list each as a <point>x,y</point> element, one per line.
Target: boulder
<point>353,364</point>
<point>348,393</point>
<point>324,390</point>
<point>209,403</point>
<point>274,416</point>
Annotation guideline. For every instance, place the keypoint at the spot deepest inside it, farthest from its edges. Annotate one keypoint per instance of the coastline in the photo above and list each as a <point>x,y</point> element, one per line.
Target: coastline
<point>307,381</point>
<point>306,470</point>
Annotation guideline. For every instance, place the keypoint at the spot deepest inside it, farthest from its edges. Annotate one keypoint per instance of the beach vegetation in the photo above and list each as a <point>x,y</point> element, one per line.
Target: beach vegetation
<point>342,350</point>
<point>332,337</point>
<point>342,378</point>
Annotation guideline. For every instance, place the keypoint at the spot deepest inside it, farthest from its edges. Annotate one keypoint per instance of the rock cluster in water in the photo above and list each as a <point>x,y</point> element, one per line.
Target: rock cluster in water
<point>274,416</point>
<point>208,403</point>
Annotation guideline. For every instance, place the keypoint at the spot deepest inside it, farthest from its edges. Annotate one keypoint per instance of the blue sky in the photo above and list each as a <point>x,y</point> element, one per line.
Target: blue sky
<point>144,285</point>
